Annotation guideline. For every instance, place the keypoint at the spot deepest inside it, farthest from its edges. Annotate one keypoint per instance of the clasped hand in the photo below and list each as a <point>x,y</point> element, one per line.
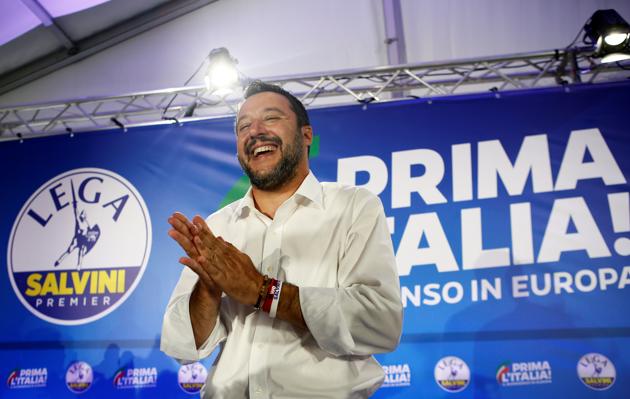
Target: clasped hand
<point>221,267</point>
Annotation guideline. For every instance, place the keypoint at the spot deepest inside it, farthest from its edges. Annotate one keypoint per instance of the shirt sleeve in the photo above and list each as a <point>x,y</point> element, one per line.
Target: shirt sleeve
<point>363,316</point>
<point>178,340</point>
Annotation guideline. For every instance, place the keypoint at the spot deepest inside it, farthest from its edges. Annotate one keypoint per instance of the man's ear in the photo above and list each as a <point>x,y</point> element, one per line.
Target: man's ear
<point>307,134</point>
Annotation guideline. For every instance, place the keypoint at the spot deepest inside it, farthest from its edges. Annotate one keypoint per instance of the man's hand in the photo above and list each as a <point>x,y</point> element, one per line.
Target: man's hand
<point>234,272</point>
<point>230,269</point>
<point>224,268</point>
<point>183,232</point>
<point>206,296</point>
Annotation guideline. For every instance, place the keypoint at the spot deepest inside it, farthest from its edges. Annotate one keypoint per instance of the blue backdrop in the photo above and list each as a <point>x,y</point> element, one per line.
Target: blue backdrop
<point>509,216</point>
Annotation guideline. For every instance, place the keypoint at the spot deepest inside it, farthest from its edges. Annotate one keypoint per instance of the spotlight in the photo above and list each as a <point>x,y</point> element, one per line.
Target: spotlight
<point>221,73</point>
<point>610,34</point>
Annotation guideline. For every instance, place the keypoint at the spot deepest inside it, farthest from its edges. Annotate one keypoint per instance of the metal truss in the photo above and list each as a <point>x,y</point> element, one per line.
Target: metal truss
<point>427,80</point>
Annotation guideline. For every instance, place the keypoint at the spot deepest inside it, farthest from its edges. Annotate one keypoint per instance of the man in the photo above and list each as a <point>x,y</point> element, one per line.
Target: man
<point>296,281</point>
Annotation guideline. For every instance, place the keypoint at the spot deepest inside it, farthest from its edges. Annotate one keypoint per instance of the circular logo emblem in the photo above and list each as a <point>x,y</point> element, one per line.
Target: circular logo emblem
<point>79,377</point>
<point>596,371</point>
<point>79,246</point>
<point>191,377</point>
<point>452,374</point>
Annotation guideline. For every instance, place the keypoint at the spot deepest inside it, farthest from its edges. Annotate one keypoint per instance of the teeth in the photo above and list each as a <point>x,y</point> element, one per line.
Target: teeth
<point>263,149</point>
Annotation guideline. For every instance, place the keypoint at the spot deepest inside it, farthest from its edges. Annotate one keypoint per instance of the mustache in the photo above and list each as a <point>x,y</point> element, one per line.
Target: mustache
<point>262,139</point>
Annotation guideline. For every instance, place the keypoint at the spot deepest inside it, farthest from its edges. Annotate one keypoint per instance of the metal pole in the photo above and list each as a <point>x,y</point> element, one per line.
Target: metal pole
<point>394,36</point>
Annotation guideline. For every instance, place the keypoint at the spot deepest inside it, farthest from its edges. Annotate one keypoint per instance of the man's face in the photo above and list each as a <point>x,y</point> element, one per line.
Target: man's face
<point>269,143</point>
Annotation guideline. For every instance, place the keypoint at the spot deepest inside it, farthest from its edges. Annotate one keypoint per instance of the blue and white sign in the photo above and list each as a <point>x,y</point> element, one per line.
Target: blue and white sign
<point>79,246</point>
<point>510,219</point>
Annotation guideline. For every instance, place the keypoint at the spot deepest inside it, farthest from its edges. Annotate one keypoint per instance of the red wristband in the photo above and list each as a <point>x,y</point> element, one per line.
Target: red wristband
<point>266,307</point>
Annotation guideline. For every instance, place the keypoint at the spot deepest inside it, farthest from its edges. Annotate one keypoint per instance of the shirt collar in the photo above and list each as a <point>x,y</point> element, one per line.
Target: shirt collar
<point>310,189</point>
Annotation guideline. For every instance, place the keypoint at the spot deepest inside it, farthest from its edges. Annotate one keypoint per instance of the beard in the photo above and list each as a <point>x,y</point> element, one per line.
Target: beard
<point>285,169</point>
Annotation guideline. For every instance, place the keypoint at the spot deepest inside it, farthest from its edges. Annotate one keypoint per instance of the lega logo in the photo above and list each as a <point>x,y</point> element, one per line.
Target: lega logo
<point>596,371</point>
<point>452,374</point>
<point>191,377</point>
<point>79,377</point>
<point>79,246</point>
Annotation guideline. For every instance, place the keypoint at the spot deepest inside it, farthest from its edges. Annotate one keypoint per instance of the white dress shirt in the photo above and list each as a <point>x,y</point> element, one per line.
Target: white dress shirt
<point>330,240</point>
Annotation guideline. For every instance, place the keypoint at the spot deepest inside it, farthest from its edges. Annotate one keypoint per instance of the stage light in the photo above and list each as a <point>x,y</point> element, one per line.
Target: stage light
<point>221,73</point>
<point>610,34</point>
<point>615,39</point>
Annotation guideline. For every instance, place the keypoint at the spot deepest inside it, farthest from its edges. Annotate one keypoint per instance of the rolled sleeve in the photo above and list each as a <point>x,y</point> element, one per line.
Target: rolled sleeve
<point>363,316</point>
<point>178,340</point>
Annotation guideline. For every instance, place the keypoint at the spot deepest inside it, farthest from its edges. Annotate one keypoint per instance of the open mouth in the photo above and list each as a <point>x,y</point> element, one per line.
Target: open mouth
<point>263,150</point>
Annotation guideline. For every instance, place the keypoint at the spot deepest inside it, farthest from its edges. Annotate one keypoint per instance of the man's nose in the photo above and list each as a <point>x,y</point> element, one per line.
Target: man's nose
<point>257,127</point>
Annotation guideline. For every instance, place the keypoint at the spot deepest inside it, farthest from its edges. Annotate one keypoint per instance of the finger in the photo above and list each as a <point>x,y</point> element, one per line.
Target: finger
<point>215,257</point>
<point>180,228</point>
<point>214,273</point>
<point>181,217</point>
<point>228,248</point>
<point>226,244</point>
<point>182,224</point>
<point>184,242</point>
<point>202,248</point>
<point>208,239</point>
<point>202,226</point>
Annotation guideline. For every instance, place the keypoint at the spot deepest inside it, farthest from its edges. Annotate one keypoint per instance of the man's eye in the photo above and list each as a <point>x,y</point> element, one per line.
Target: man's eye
<point>243,127</point>
<point>272,118</point>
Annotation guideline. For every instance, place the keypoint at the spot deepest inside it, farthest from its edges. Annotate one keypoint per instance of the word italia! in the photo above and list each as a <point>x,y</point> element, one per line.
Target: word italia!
<point>586,157</point>
<point>28,378</point>
<point>526,373</point>
<point>137,377</point>
<point>397,375</point>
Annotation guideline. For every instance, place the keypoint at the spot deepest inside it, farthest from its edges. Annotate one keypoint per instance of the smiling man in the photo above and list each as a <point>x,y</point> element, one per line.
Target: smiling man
<point>296,282</point>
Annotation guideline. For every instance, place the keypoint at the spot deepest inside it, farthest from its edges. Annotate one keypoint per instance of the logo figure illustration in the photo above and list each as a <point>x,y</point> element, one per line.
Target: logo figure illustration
<point>452,374</point>
<point>79,377</point>
<point>85,236</point>
<point>191,377</point>
<point>598,365</point>
<point>194,373</point>
<point>596,371</point>
<point>454,370</point>
<point>79,372</point>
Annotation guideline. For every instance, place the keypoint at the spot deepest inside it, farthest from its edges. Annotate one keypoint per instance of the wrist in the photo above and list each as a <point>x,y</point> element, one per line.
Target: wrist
<point>261,293</point>
<point>206,292</point>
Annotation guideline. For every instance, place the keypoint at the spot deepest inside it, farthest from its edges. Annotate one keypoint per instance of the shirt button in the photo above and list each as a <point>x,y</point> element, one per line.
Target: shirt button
<point>269,269</point>
<point>259,390</point>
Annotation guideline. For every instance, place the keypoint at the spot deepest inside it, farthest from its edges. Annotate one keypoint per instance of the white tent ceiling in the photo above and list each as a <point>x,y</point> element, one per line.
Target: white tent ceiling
<point>124,46</point>
<point>40,36</point>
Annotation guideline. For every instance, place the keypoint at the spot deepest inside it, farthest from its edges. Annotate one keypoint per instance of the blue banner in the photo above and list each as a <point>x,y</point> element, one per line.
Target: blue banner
<point>509,214</point>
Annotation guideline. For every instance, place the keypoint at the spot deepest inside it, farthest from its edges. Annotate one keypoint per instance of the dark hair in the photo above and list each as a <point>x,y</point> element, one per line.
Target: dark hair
<point>258,86</point>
